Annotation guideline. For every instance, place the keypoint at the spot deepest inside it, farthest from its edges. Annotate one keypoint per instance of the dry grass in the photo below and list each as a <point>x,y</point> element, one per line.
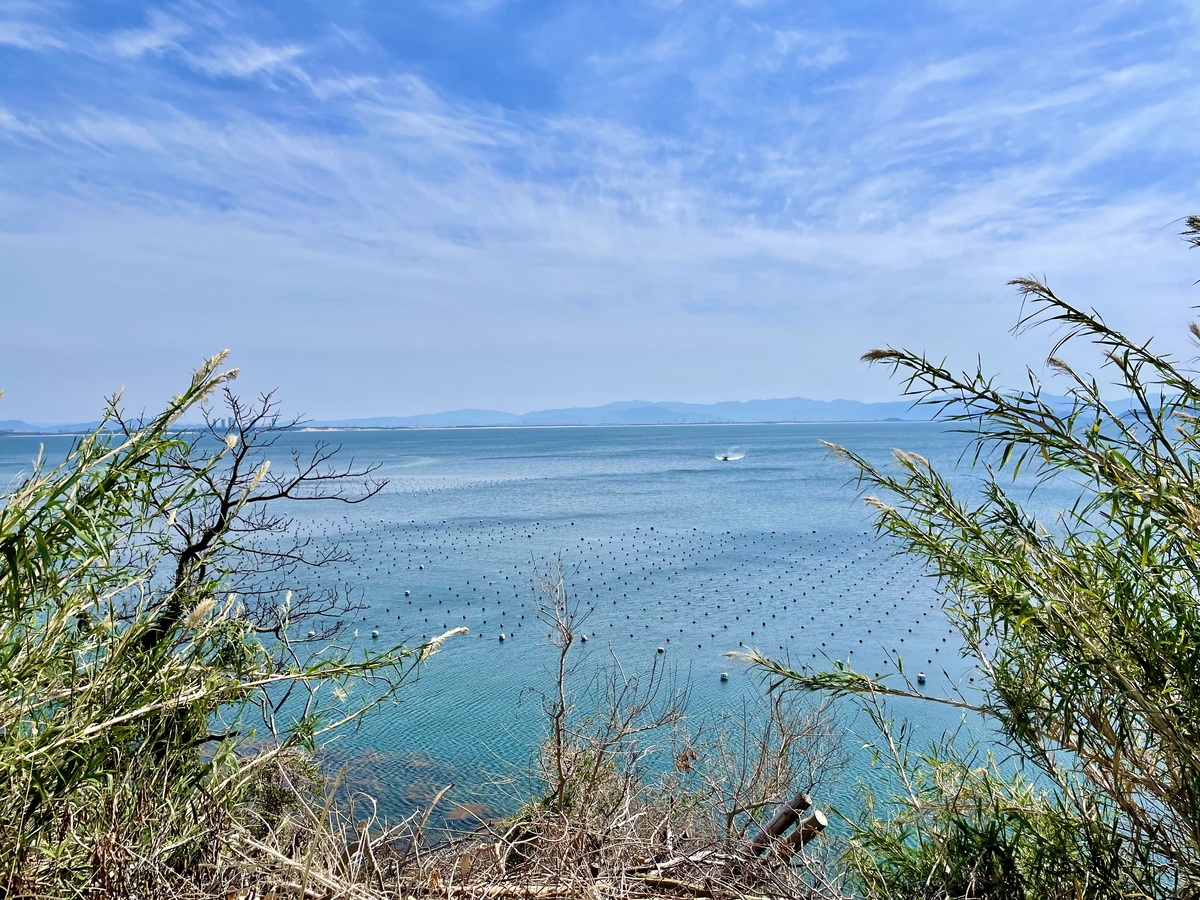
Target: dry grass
<point>301,835</point>
<point>636,853</point>
<point>162,691</point>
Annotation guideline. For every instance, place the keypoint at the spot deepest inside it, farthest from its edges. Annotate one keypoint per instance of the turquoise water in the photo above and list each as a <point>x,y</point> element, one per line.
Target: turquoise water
<point>670,547</point>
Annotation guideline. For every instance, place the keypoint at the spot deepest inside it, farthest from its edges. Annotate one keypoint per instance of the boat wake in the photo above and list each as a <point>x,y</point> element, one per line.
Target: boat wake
<point>730,455</point>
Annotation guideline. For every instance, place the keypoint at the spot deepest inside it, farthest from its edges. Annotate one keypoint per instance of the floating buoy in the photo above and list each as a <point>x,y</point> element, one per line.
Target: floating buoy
<point>662,650</point>
<point>375,633</point>
<point>920,678</point>
<point>502,636</point>
<point>724,676</point>
<point>406,593</point>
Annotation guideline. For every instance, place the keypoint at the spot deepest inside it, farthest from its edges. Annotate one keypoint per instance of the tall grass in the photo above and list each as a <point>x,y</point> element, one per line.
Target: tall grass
<point>1084,632</point>
<point>133,743</point>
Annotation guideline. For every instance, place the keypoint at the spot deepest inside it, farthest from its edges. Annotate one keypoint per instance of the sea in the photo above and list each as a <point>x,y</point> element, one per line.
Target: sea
<point>680,545</point>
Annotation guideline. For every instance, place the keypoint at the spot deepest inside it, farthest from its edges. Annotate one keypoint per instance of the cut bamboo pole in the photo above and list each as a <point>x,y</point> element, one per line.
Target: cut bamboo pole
<point>810,826</point>
<point>785,817</point>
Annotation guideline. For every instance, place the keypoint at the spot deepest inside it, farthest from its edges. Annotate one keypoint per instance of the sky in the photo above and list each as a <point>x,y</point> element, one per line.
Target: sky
<point>405,206</point>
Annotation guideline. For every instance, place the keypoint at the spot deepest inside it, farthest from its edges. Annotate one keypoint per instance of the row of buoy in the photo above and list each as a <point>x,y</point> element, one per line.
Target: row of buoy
<point>646,559</point>
<point>673,581</point>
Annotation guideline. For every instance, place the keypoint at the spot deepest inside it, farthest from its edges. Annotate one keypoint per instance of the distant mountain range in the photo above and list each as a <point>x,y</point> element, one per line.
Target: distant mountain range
<point>644,412</point>
<point>16,426</point>
<point>626,412</point>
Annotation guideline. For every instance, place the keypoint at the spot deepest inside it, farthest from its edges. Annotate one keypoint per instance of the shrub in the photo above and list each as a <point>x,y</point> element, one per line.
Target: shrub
<point>143,699</point>
<point>1085,632</point>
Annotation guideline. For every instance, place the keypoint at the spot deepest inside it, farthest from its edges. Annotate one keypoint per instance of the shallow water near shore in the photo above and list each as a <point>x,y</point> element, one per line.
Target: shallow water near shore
<point>669,547</point>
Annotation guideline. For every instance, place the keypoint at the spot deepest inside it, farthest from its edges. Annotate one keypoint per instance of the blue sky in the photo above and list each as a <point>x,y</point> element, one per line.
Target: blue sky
<point>387,208</point>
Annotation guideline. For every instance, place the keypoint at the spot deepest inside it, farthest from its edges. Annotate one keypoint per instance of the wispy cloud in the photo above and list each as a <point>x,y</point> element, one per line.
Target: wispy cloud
<point>28,36</point>
<point>815,49</point>
<point>244,58</point>
<point>162,34</point>
<point>757,184</point>
<point>11,125</point>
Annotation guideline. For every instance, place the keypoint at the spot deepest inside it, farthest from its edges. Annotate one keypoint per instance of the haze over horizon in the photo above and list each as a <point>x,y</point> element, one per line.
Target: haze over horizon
<point>620,412</point>
<point>395,209</point>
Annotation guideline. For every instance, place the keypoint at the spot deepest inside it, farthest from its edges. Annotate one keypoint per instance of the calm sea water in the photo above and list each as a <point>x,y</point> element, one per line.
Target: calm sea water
<point>670,548</point>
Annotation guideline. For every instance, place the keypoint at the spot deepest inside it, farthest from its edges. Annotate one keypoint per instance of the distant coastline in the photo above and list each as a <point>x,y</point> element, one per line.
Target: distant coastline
<point>335,429</point>
<point>325,429</point>
<point>621,414</point>
<point>787,410</point>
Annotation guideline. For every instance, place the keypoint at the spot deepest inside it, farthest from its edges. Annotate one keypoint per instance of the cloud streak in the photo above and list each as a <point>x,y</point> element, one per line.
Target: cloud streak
<point>714,202</point>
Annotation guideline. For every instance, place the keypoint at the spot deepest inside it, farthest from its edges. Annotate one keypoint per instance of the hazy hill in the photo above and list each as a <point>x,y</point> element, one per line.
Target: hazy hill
<point>624,412</point>
<point>644,412</point>
<point>16,426</point>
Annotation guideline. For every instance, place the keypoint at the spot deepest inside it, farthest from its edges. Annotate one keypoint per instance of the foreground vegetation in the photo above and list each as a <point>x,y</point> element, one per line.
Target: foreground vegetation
<point>166,684</point>
<point>159,699</point>
<point>1085,632</point>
